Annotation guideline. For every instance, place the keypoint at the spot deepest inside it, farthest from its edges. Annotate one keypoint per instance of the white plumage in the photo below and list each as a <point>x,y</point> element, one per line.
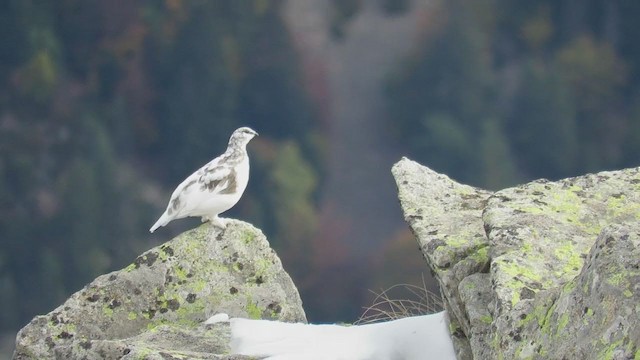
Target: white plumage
<point>214,188</point>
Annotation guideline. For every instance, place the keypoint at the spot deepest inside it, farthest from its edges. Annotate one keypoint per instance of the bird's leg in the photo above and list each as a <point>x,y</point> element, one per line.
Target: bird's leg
<point>218,222</point>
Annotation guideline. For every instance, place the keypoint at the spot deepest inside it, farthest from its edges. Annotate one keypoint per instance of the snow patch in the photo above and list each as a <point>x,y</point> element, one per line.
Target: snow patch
<point>411,338</point>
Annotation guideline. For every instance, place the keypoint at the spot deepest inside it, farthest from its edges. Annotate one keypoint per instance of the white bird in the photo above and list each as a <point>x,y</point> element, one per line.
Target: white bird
<point>214,188</point>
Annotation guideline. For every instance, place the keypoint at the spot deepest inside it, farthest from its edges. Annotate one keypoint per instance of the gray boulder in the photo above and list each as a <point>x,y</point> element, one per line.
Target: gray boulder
<point>595,315</point>
<point>542,270</point>
<point>446,219</point>
<point>154,308</point>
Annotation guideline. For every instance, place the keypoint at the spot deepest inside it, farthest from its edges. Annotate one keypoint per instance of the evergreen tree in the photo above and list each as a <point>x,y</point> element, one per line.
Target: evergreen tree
<point>542,124</point>
<point>443,96</point>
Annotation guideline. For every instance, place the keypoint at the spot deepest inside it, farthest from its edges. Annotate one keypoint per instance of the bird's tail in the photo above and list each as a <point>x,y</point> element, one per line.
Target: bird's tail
<point>164,220</point>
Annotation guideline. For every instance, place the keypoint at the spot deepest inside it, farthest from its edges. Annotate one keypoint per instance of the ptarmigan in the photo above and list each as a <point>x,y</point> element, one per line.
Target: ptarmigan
<point>214,188</point>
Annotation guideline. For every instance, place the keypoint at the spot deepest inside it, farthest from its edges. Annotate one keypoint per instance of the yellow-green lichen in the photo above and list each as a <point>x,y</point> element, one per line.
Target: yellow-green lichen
<point>168,302</point>
<point>495,345</point>
<point>198,285</point>
<point>545,322</point>
<point>143,353</point>
<point>179,323</point>
<point>248,236</point>
<point>607,352</point>
<point>539,312</point>
<point>262,267</point>
<point>165,252</point>
<point>533,210</point>
<point>237,267</point>
<point>132,315</point>
<point>196,307</point>
<point>575,188</point>
<point>130,268</point>
<point>487,319</point>
<point>67,329</point>
<point>457,241</point>
<point>253,311</point>
<point>515,298</point>
<point>515,284</point>
<point>585,320</point>
<point>618,206</point>
<point>469,285</point>
<point>569,286</point>
<point>570,256</point>
<point>274,314</point>
<point>524,351</point>
<point>527,248</point>
<point>519,270</point>
<point>567,204</point>
<point>481,256</point>
<point>616,279</point>
<point>562,323</point>
<point>527,319</point>
<point>180,273</point>
<point>452,328</point>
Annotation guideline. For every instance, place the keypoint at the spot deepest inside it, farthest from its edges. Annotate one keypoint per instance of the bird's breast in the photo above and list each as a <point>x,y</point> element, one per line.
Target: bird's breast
<point>242,177</point>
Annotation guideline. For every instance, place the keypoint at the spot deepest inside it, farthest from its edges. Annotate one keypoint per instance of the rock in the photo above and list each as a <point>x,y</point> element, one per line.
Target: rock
<point>540,235</point>
<point>553,225</point>
<point>595,315</point>
<point>446,218</point>
<point>154,308</point>
<point>526,272</point>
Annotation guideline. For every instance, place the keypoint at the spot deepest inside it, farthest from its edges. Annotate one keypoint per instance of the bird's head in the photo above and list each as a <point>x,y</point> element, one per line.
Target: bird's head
<point>242,136</point>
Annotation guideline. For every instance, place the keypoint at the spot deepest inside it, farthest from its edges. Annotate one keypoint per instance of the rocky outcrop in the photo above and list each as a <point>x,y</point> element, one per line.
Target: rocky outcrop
<point>154,308</point>
<point>545,270</point>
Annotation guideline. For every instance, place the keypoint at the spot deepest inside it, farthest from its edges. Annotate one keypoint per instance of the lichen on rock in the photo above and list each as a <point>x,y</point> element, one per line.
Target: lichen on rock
<point>538,282</point>
<point>596,314</point>
<point>446,218</point>
<point>157,304</point>
<point>552,226</point>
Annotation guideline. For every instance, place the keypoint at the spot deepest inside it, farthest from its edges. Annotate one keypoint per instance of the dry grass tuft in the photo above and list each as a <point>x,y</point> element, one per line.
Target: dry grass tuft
<point>400,301</point>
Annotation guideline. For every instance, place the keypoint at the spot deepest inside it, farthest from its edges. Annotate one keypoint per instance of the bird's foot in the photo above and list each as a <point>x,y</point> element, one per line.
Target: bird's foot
<point>215,221</point>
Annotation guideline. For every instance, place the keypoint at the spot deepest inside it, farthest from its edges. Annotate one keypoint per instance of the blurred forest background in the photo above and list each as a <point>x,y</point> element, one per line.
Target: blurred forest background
<point>106,105</point>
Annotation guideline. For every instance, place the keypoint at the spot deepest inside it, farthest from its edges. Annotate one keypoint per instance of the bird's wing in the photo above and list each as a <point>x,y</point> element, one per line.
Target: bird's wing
<point>213,178</point>
<point>218,179</point>
<point>180,197</point>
